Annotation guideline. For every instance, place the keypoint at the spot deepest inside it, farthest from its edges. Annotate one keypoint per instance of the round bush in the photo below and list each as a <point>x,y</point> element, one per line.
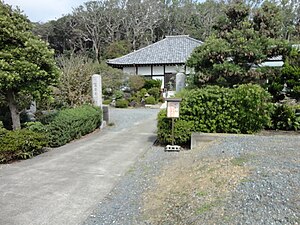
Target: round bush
<point>155,92</point>
<point>150,100</point>
<point>122,103</point>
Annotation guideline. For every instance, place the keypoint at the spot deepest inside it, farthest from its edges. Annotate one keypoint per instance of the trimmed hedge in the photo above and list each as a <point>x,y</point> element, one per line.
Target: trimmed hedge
<point>20,144</point>
<point>182,129</point>
<point>70,124</point>
<point>245,109</point>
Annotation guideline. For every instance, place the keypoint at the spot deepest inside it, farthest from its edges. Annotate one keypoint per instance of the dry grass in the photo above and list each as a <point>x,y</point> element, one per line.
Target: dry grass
<point>193,189</point>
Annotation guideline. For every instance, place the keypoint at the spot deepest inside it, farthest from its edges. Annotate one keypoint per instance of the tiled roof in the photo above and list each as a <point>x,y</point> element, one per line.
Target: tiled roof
<point>171,50</point>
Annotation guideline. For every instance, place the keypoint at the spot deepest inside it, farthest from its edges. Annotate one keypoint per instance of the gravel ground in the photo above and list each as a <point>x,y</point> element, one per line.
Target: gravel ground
<point>124,118</point>
<point>234,180</point>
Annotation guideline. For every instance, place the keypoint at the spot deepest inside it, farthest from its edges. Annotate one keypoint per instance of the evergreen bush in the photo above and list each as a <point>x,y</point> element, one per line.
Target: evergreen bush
<point>151,83</point>
<point>182,129</point>
<point>150,100</point>
<point>122,103</point>
<point>70,124</point>
<point>285,118</point>
<point>245,109</point>
<point>20,144</point>
<point>155,92</point>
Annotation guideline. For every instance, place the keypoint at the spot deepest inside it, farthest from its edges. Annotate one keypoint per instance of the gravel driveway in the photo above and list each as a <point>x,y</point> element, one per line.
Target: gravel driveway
<point>238,179</point>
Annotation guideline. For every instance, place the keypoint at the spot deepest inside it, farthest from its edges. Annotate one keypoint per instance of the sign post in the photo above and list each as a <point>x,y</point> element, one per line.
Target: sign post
<point>173,106</point>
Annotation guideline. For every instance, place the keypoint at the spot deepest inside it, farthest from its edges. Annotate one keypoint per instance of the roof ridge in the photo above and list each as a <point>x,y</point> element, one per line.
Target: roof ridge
<point>193,39</point>
<point>175,36</point>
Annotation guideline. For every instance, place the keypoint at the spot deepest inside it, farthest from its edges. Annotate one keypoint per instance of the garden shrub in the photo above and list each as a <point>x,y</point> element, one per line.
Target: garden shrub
<point>285,118</point>
<point>20,144</point>
<point>122,103</point>
<point>245,109</point>
<point>36,127</point>
<point>150,100</point>
<point>182,129</point>
<point>155,92</point>
<point>47,116</point>
<point>254,108</point>
<point>2,129</point>
<point>106,102</point>
<point>118,94</point>
<point>151,83</point>
<point>70,124</point>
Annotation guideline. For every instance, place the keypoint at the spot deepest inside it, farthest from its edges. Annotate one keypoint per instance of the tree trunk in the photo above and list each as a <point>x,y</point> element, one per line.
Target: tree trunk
<point>15,114</point>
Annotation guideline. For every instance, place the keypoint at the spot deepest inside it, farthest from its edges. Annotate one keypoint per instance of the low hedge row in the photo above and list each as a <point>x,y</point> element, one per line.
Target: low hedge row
<point>20,144</point>
<point>66,125</point>
<point>59,128</point>
<point>246,109</point>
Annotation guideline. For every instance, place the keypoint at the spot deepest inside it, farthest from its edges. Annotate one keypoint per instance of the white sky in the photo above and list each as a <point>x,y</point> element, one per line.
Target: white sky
<point>44,10</point>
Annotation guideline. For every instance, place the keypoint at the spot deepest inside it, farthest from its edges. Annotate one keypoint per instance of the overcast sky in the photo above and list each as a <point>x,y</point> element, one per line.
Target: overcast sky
<point>44,10</point>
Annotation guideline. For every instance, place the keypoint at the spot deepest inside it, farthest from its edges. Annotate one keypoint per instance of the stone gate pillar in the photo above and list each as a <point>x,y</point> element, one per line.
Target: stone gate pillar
<point>97,90</point>
<point>180,81</point>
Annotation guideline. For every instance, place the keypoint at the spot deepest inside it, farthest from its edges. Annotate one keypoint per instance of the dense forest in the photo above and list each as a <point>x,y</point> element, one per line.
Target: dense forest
<point>111,28</point>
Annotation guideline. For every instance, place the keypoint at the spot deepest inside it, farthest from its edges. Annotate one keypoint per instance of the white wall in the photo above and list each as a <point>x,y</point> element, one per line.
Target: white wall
<point>174,69</point>
<point>158,70</point>
<point>129,70</point>
<point>144,70</point>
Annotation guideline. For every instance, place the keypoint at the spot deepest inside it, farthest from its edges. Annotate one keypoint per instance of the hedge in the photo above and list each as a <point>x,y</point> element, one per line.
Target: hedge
<point>66,125</point>
<point>245,109</point>
<point>70,124</point>
<point>20,144</point>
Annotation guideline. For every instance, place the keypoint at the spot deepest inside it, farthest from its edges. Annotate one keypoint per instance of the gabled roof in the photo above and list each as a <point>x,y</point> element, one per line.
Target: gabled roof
<point>171,50</point>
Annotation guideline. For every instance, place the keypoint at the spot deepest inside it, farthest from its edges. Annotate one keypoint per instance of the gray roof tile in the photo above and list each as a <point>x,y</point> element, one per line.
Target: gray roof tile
<point>171,50</point>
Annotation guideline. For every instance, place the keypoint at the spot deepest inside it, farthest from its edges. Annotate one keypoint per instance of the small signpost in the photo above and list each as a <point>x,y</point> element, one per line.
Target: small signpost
<point>173,106</point>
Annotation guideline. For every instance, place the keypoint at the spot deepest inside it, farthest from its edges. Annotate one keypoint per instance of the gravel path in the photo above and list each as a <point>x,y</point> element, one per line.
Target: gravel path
<point>234,180</point>
<point>125,118</point>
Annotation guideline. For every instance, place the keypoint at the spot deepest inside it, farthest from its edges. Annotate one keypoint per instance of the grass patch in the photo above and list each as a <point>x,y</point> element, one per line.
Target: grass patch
<point>206,207</point>
<point>240,161</point>
<point>209,206</point>
<point>201,193</point>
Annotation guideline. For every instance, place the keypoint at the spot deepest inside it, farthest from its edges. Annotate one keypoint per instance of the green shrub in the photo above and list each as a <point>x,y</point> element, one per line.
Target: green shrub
<point>2,129</point>
<point>118,94</point>
<point>36,127</point>
<point>151,83</point>
<point>182,129</point>
<point>106,102</point>
<point>285,118</point>
<point>254,108</point>
<point>150,100</point>
<point>245,109</point>
<point>122,103</point>
<point>46,117</point>
<point>20,144</point>
<point>155,92</point>
<point>70,124</point>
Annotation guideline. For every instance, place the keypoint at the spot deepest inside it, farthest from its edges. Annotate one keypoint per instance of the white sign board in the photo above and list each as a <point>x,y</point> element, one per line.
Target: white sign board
<point>97,90</point>
<point>173,109</point>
